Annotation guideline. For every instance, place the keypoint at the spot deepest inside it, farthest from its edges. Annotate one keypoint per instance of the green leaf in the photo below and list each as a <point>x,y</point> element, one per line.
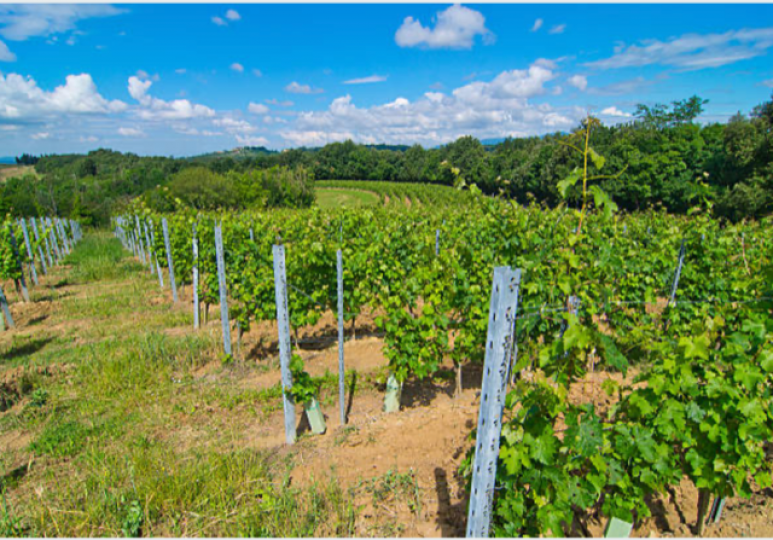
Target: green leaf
<point>569,181</point>
<point>598,160</point>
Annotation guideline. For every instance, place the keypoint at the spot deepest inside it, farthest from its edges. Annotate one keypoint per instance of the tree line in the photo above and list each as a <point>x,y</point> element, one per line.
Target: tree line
<point>669,161</point>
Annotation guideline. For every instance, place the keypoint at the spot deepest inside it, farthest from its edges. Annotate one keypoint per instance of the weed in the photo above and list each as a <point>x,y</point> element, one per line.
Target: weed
<point>39,398</point>
<point>60,439</point>
<point>133,519</point>
<point>393,487</point>
<point>344,435</point>
<point>10,526</point>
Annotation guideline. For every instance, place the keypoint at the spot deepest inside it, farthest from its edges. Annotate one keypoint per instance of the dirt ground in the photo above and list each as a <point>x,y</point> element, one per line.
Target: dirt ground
<point>425,442</point>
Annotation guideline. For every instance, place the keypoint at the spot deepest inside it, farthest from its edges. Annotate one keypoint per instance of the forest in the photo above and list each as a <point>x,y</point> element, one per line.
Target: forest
<point>667,158</point>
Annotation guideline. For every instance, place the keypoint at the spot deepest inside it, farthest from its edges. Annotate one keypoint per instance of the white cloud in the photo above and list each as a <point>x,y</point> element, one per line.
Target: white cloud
<point>22,98</point>
<point>257,108</point>
<point>537,25</point>
<point>366,80</point>
<point>296,88</point>
<point>23,21</point>
<point>89,139</point>
<point>130,132</point>
<point>232,15</point>
<point>152,108</point>
<point>41,136</point>
<point>280,103</point>
<point>181,71</point>
<point>257,72</point>
<point>614,111</point>
<point>578,81</point>
<point>500,107</point>
<point>234,125</point>
<point>236,66</point>
<point>5,53</point>
<point>691,51</point>
<point>456,28</point>
<point>768,83</point>
<point>557,29</point>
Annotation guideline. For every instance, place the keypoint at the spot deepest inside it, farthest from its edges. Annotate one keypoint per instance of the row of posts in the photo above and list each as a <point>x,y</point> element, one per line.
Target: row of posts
<point>500,345</point>
<point>57,234</point>
<point>131,235</point>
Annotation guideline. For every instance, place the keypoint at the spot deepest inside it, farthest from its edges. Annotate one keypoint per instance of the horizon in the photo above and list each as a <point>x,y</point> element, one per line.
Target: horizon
<point>75,78</point>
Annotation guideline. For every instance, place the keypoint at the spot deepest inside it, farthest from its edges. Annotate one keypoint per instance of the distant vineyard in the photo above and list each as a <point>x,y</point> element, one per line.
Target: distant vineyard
<point>398,192</point>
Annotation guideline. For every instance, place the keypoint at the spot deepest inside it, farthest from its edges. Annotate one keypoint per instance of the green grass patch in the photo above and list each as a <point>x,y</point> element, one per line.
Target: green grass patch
<point>100,257</point>
<point>338,198</point>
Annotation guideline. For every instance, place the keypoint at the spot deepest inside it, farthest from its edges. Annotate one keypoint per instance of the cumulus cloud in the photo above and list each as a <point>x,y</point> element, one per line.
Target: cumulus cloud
<point>152,108</point>
<point>295,88</point>
<point>22,98</point>
<point>130,132</point>
<point>89,139</point>
<point>236,66</point>
<point>578,81</point>
<point>5,53</point>
<point>614,111</point>
<point>234,125</point>
<point>41,136</point>
<point>496,108</point>
<point>557,29</point>
<point>367,80</point>
<point>691,51</point>
<point>456,28</point>
<point>257,108</point>
<point>23,21</point>
<point>231,15</point>
<point>537,25</point>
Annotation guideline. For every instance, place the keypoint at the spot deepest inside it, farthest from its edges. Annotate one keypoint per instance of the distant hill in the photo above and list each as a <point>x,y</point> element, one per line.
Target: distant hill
<point>242,152</point>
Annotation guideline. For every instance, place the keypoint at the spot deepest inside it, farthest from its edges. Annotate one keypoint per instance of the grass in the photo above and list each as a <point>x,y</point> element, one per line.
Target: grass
<point>336,198</point>
<point>123,438</point>
<point>11,171</point>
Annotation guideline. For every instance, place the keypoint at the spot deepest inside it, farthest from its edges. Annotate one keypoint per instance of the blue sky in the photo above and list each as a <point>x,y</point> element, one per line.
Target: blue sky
<point>186,79</point>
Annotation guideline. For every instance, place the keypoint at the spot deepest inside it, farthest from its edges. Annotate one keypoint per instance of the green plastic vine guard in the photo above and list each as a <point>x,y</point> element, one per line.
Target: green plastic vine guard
<point>315,416</point>
<point>392,396</point>
<point>617,528</point>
